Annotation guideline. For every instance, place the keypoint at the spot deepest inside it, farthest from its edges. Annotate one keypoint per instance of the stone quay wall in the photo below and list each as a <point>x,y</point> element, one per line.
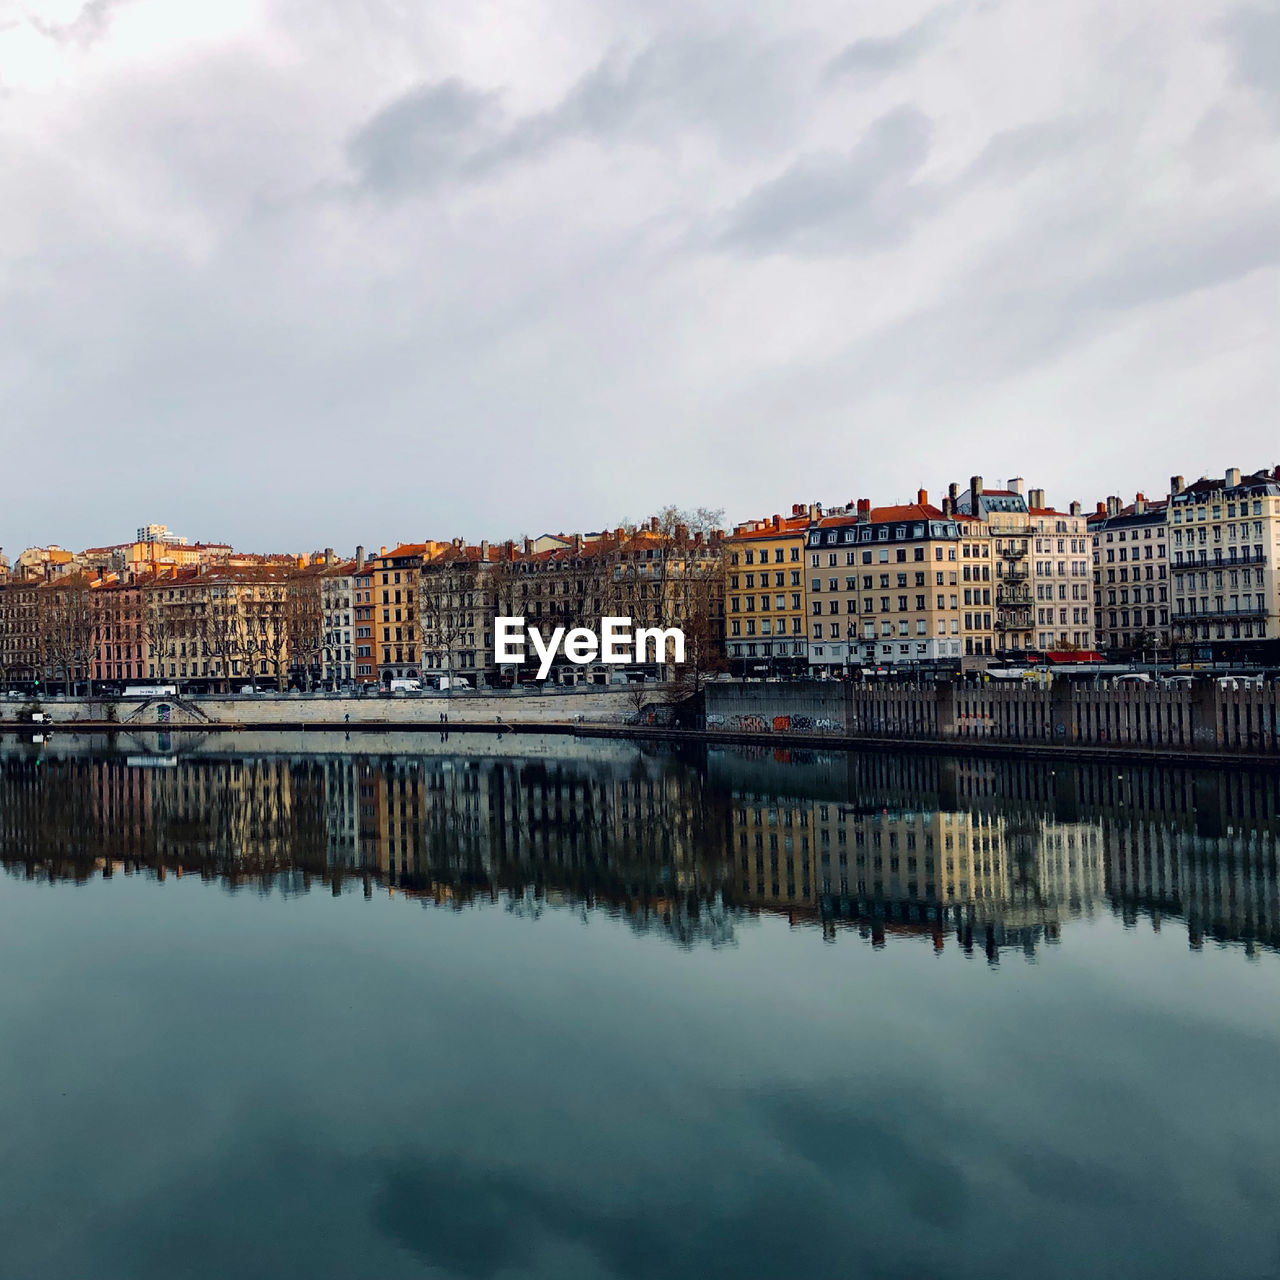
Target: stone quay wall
<point>1202,716</point>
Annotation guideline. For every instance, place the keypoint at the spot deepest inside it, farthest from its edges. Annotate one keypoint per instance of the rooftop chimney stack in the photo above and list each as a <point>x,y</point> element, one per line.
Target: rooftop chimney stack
<point>1015,485</point>
<point>953,492</point>
<point>359,558</point>
<point>1140,504</point>
<point>1075,508</point>
<point>975,485</point>
<point>922,497</point>
<point>1176,485</point>
<point>1233,477</point>
<point>864,510</point>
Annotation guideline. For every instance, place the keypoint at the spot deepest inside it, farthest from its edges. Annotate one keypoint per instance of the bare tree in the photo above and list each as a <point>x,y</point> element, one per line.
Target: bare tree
<point>447,603</point>
<point>161,627</point>
<point>275,631</point>
<point>667,573</point>
<point>66,629</point>
<point>304,624</point>
<point>221,631</point>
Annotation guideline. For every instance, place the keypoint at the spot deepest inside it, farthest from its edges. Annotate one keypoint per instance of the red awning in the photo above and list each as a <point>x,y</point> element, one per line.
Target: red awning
<point>1078,655</point>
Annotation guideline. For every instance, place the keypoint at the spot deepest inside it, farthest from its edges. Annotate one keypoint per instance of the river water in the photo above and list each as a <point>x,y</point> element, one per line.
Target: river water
<point>487,1008</point>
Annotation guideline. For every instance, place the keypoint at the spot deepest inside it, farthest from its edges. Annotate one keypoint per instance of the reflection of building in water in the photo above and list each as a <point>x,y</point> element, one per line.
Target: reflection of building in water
<point>1013,876</point>
<point>997,852</point>
<point>772,842</point>
<point>1223,886</point>
<point>635,834</point>
<point>341,813</point>
<point>1010,879</point>
<point>451,826</point>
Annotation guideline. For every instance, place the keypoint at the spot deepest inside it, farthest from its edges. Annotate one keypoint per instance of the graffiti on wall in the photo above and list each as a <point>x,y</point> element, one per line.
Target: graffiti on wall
<point>774,724</point>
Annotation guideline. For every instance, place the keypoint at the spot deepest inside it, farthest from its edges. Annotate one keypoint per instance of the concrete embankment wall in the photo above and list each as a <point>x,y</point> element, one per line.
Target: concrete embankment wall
<point>1203,716</point>
<point>604,706</point>
<point>795,706</point>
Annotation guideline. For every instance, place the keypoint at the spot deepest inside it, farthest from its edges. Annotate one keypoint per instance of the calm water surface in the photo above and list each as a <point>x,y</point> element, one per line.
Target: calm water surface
<point>561,1010</point>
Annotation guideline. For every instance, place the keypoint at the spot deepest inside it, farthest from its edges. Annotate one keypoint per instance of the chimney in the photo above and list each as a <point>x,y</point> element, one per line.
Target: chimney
<point>302,562</point>
<point>528,545</point>
<point>1015,485</point>
<point>975,485</point>
<point>359,558</point>
<point>864,510</point>
<point>1113,506</point>
<point>619,534</point>
<point>682,533</point>
<point>484,551</point>
<point>653,524</point>
<point>577,544</point>
<point>777,522</point>
<point>1140,504</point>
<point>1176,485</point>
<point>922,497</point>
<point>383,552</point>
<point>1101,509</point>
<point>946,506</point>
<point>953,492</point>
<point>1074,508</point>
<point>1233,478</point>
<point>1035,498</point>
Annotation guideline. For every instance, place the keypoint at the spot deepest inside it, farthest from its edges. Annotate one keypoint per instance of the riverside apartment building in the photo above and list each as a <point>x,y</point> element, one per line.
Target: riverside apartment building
<point>764,595</point>
<point>884,587</point>
<point>1224,540</point>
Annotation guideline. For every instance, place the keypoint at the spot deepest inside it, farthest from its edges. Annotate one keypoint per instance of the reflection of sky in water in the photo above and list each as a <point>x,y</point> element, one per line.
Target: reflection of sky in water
<point>206,1085</point>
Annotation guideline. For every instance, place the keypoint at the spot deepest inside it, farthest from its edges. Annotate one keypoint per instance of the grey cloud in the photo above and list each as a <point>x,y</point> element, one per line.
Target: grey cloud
<point>1162,262</point>
<point>734,85</point>
<point>1012,153</point>
<point>854,203</point>
<point>1252,33</point>
<point>86,28</point>
<point>878,55</point>
<point>424,137</point>
<point>741,90</point>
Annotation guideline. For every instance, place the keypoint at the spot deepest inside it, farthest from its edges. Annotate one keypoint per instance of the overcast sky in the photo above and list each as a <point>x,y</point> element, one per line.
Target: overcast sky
<point>312,272</point>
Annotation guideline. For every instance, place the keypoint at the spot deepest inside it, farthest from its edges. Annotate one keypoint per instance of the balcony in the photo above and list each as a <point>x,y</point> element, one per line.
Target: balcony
<point>1220,558</point>
<point>1212,615</point>
<point>1011,552</point>
<point>1012,595</point>
<point>1014,622</point>
<point>1016,573</point>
